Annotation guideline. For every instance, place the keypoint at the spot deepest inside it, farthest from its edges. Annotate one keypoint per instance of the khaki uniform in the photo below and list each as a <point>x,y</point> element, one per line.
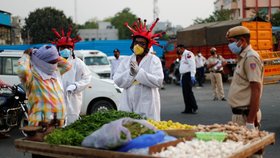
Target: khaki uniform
<point>249,68</point>
<point>216,76</point>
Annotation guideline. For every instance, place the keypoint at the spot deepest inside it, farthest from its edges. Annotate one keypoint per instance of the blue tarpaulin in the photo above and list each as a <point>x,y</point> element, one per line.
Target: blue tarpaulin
<point>106,46</point>
<point>275,28</point>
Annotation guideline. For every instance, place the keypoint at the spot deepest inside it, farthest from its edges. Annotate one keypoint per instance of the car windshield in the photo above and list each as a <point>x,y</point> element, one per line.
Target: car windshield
<point>96,61</point>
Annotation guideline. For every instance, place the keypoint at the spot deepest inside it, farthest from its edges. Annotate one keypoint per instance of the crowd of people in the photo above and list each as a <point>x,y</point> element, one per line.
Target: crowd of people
<point>54,78</point>
<point>244,93</point>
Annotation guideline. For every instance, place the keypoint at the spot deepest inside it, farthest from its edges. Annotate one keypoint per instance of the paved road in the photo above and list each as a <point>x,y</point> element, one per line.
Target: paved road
<point>209,112</point>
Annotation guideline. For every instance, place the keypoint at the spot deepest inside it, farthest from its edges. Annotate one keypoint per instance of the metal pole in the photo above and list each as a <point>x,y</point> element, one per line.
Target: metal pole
<point>75,10</point>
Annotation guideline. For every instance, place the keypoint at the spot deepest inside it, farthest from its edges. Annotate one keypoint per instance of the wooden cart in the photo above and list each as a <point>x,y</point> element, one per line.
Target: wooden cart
<point>38,149</point>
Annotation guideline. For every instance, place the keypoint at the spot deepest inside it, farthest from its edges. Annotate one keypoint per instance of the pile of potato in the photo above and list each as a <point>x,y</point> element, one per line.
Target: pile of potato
<point>234,132</point>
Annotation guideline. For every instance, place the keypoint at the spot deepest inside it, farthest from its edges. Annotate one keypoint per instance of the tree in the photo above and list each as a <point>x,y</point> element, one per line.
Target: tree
<point>38,26</point>
<point>91,24</point>
<point>218,15</point>
<point>275,20</point>
<point>119,19</point>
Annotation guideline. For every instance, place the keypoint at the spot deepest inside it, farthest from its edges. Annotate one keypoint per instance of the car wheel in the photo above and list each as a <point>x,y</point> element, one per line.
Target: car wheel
<point>101,105</point>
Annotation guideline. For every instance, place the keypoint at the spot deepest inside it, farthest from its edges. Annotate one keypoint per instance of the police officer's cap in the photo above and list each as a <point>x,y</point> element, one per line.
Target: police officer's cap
<point>237,31</point>
<point>116,50</point>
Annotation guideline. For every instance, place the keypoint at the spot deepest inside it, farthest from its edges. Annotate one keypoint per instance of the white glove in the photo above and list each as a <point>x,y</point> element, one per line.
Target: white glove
<point>134,68</point>
<point>250,126</point>
<point>71,88</point>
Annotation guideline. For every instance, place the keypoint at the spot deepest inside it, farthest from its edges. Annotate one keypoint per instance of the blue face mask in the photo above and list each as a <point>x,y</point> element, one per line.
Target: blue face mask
<point>65,53</point>
<point>234,48</point>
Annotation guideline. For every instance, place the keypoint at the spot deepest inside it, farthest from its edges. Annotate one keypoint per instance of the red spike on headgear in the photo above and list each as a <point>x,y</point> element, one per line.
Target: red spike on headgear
<point>62,32</point>
<point>141,31</point>
<point>62,40</point>
<point>56,33</point>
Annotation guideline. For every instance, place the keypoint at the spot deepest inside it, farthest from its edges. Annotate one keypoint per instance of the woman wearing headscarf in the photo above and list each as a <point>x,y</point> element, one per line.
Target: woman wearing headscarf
<point>38,72</point>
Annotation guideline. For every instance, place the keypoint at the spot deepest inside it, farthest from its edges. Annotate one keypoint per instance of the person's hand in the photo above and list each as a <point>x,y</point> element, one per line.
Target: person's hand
<point>134,68</point>
<point>28,51</point>
<point>193,80</point>
<point>250,126</point>
<point>71,88</point>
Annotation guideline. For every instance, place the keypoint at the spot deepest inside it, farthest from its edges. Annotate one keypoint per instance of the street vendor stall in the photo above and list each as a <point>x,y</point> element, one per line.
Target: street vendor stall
<point>44,149</point>
<point>97,136</point>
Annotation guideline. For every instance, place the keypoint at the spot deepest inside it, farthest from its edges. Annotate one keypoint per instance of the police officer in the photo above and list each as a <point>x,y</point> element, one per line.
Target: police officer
<point>200,63</point>
<point>115,62</point>
<point>215,65</point>
<point>246,87</point>
<point>187,70</point>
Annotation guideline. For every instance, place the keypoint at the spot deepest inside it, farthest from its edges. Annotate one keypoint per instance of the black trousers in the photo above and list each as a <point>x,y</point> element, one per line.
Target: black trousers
<point>189,99</point>
<point>200,75</point>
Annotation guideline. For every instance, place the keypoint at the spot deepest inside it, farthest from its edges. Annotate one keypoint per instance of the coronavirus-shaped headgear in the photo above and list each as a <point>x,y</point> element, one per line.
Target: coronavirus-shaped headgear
<point>139,29</point>
<point>62,40</point>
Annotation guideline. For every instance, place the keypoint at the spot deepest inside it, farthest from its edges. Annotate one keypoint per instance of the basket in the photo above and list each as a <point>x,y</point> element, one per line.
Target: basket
<point>207,136</point>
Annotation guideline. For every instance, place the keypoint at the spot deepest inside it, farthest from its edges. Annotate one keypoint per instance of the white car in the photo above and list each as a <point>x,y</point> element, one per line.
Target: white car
<point>100,94</point>
<point>96,60</point>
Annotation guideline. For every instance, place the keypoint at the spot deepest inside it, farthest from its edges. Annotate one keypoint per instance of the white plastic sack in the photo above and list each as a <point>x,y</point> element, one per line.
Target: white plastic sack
<point>109,135</point>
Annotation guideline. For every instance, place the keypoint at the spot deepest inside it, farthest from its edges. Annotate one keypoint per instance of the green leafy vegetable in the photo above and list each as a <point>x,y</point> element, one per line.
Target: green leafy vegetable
<point>77,131</point>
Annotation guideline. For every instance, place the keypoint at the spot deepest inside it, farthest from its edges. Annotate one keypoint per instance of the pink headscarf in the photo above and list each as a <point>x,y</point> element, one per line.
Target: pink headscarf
<point>40,58</point>
<point>46,53</point>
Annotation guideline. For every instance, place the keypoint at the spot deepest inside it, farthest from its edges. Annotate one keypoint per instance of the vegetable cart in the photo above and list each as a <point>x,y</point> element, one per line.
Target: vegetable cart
<point>42,149</point>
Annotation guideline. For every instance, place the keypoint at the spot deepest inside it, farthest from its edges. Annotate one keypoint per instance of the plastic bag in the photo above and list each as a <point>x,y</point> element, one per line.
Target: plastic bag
<point>144,151</point>
<point>109,135</point>
<point>143,141</point>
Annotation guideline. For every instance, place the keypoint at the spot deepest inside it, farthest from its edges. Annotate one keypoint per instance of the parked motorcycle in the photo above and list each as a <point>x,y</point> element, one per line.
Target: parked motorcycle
<point>13,108</point>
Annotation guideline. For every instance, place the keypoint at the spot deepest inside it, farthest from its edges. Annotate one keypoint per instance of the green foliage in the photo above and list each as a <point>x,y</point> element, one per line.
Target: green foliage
<point>119,19</point>
<point>275,20</point>
<point>91,24</point>
<point>77,131</point>
<point>39,24</point>
<point>218,15</point>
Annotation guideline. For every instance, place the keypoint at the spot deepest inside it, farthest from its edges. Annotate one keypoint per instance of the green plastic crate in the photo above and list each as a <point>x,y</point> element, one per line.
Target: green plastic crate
<point>207,136</point>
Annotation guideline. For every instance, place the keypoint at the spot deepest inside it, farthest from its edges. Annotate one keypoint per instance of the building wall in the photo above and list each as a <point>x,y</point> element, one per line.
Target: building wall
<point>266,6</point>
<point>17,24</point>
<point>5,28</point>
<point>98,34</point>
<point>105,31</point>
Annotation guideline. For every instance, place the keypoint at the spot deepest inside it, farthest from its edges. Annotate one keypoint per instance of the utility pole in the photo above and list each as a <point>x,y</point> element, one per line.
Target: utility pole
<point>75,11</point>
<point>156,9</point>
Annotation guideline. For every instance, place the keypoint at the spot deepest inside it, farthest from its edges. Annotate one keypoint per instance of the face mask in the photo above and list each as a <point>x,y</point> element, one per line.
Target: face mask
<point>116,56</point>
<point>138,50</point>
<point>65,53</point>
<point>212,52</point>
<point>234,48</point>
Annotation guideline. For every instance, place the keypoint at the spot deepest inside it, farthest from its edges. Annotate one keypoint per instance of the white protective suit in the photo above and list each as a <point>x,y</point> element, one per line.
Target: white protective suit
<point>141,92</point>
<point>79,75</point>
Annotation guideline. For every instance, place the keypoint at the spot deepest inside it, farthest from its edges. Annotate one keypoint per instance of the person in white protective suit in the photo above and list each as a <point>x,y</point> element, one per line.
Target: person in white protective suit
<point>141,74</point>
<point>76,79</point>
